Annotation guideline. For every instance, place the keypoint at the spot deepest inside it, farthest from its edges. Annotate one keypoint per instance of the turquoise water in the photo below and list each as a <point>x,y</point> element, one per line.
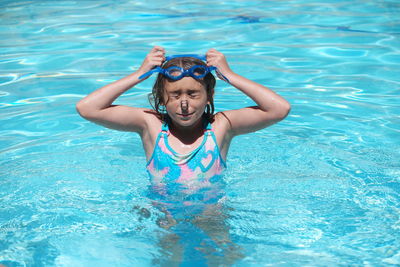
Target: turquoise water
<point>321,188</point>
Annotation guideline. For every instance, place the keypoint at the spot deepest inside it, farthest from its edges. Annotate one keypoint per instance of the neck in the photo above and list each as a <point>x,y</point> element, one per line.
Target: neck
<point>187,135</point>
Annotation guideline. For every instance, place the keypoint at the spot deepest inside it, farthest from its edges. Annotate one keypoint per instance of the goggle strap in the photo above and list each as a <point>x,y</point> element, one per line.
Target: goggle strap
<point>218,73</point>
<point>201,57</point>
<point>147,74</point>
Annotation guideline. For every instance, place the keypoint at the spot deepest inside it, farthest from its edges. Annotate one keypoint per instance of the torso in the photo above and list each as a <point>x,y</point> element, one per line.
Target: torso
<point>195,175</point>
<point>219,125</point>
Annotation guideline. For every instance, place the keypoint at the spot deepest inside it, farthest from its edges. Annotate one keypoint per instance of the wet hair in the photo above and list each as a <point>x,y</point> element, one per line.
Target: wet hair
<point>156,98</point>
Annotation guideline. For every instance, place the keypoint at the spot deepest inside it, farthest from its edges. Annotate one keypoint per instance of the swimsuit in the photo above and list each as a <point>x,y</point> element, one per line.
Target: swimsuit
<point>186,179</point>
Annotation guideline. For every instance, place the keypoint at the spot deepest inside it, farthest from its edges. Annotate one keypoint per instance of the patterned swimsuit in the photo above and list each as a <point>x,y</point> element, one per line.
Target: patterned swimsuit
<point>184,180</point>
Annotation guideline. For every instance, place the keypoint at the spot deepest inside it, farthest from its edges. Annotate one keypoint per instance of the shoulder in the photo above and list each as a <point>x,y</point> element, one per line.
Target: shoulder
<point>141,119</point>
<point>153,123</point>
<point>153,120</point>
<point>222,126</point>
<point>221,122</point>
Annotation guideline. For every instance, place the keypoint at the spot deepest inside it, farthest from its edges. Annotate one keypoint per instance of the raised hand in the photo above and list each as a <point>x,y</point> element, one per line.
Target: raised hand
<point>154,58</point>
<point>218,60</point>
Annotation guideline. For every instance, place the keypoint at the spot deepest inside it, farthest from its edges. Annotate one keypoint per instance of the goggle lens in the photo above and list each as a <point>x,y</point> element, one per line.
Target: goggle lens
<point>174,72</point>
<point>199,71</point>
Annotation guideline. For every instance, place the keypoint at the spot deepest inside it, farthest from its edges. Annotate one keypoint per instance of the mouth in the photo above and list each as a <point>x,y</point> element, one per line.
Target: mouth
<point>184,115</point>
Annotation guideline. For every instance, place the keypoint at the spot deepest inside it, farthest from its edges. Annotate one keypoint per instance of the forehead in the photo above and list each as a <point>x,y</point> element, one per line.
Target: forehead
<point>186,83</point>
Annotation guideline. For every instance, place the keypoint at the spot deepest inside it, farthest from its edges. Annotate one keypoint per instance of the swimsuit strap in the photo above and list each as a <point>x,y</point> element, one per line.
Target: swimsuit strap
<point>208,126</point>
<point>164,127</point>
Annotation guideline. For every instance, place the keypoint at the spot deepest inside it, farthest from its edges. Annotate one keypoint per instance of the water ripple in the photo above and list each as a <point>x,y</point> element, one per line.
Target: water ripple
<point>321,186</point>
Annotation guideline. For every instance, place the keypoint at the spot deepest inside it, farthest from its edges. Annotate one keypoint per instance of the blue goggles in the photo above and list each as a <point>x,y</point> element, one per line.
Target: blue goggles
<point>176,73</point>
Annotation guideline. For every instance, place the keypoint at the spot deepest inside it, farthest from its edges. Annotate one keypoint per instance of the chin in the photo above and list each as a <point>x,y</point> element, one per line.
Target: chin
<point>186,122</point>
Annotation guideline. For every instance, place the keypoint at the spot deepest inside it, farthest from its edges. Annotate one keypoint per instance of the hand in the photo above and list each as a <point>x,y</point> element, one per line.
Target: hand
<point>218,60</point>
<point>154,58</point>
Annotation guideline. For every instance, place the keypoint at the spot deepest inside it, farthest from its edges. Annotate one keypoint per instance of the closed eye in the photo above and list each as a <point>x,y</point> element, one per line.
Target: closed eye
<point>193,94</point>
<point>174,95</point>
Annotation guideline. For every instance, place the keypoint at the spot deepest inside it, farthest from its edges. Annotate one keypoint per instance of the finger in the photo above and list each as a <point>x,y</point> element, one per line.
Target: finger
<point>160,57</point>
<point>212,57</point>
<point>209,57</point>
<point>210,63</point>
<point>156,49</point>
<point>213,52</point>
<point>209,54</point>
<point>158,61</point>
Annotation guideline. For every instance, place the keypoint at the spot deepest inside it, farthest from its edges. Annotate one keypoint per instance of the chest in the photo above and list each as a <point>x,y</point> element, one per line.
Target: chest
<point>149,140</point>
<point>183,146</point>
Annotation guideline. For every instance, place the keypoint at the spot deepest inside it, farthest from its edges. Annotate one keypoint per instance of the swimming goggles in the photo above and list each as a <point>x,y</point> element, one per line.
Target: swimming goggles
<point>176,73</point>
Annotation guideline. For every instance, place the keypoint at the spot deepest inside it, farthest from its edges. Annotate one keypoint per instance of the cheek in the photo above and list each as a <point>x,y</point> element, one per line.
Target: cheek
<point>172,106</point>
<point>201,106</point>
<point>170,103</point>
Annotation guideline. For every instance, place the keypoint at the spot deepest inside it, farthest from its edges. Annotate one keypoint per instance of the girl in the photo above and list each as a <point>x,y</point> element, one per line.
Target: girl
<point>186,144</point>
<point>187,103</point>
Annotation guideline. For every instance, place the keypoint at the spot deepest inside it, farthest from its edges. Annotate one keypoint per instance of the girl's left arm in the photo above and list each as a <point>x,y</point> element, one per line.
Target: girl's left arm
<point>270,108</point>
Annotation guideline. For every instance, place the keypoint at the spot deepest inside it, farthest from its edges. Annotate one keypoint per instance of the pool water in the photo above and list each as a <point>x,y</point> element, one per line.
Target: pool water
<point>321,188</point>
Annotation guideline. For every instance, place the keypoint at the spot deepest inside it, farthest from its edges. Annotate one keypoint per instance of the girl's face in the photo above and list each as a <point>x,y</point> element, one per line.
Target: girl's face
<point>186,100</point>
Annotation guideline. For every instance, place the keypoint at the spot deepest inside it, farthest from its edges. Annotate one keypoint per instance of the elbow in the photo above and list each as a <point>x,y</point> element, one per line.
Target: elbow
<point>283,111</point>
<point>79,108</point>
<point>83,110</point>
<point>286,109</point>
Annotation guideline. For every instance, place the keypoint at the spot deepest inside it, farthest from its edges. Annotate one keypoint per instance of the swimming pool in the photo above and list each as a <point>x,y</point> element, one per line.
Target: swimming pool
<point>320,188</point>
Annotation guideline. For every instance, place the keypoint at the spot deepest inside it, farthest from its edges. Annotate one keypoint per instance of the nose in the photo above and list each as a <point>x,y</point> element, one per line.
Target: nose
<point>184,105</point>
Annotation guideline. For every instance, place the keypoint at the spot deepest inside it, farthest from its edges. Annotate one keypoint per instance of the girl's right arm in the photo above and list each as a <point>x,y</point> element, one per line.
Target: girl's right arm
<point>97,106</point>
